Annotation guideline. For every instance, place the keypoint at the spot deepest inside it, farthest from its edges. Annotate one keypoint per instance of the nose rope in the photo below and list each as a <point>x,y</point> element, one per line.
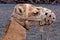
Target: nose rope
<point>26,21</point>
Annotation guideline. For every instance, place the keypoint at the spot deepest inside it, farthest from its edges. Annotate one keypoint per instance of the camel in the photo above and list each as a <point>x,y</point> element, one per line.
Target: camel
<point>23,17</point>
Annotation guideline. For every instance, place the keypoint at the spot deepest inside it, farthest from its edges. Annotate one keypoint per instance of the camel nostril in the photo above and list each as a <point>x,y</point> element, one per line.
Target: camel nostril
<point>52,21</point>
<point>48,20</point>
<point>49,15</point>
<point>53,18</point>
<point>44,19</point>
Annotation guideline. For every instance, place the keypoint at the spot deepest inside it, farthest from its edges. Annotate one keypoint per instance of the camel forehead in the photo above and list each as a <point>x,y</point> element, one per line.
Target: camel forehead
<point>23,5</point>
<point>28,7</point>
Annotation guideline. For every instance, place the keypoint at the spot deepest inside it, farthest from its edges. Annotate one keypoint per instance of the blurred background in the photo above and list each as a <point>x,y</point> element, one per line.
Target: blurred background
<point>31,1</point>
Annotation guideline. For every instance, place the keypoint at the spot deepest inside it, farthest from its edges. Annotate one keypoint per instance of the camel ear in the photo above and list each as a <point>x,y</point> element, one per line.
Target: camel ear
<point>38,9</point>
<point>20,10</point>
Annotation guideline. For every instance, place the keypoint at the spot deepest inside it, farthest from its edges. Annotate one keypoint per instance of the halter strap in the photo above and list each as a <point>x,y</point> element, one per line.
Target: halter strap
<point>26,21</point>
<point>27,9</point>
<point>26,18</point>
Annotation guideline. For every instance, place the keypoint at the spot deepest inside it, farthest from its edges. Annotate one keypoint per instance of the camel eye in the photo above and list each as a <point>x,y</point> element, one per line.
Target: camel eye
<point>46,13</point>
<point>35,13</point>
<point>38,9</point>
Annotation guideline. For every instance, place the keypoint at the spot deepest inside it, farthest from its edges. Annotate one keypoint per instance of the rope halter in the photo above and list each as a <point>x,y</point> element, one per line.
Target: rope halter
<point>43,19</point>
<point>26,17</point>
